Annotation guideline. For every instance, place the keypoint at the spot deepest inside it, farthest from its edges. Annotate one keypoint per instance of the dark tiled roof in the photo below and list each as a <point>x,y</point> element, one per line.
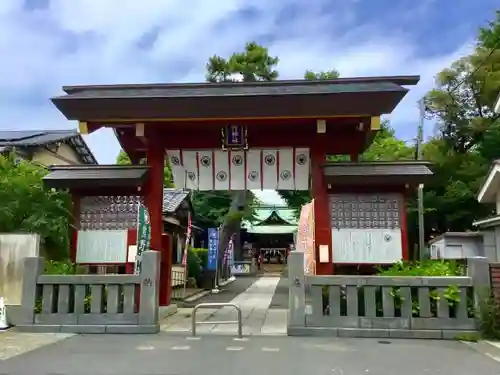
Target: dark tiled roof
<point>33,138</point>
<point>245,86</point>
<point>367,96</point>
<point>399,168</point>
<point>376,173</point>
<point>172,198</point>
<point>75,176</point>
<point>239,89</point>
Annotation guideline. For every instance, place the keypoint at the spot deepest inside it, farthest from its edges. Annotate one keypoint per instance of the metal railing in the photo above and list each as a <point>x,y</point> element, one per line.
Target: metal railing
<point>208,305</point>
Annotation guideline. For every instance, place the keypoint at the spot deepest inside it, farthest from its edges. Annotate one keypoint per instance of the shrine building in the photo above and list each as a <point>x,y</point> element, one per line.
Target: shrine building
<point>271,232</point>
<point>260,135</point>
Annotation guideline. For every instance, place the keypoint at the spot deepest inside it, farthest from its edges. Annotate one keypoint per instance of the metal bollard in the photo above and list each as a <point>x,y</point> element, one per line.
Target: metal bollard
<point>209,305</point>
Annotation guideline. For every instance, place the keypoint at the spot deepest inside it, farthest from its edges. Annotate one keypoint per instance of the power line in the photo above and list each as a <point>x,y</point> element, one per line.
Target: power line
<point>420,193</point>
<point>495,48</point>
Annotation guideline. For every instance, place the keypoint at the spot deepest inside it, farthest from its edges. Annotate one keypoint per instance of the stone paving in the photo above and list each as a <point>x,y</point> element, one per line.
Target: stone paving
<point>258,318</point>
<point>264,349</point>
<point>14,343</point>
<point>168,354</point>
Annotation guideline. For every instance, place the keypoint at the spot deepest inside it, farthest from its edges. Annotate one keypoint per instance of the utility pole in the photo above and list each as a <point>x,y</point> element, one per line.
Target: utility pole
<point>420,197</point>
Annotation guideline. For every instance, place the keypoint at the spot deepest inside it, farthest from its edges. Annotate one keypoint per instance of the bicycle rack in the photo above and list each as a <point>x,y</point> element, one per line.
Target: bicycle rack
<point>208,305</point>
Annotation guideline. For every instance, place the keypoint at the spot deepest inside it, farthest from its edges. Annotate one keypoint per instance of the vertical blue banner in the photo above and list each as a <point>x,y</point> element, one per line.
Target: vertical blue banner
<point>213,245</point>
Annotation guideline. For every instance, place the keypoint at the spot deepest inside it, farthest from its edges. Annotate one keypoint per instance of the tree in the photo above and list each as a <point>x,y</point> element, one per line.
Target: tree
<point>329,74</point>
<point>252,64</point>
<point>123,159</point>
<point>29,207</point>
<point>467,137</point>
<point>296,199</point>
<point>489,36</point>
<point>385,147</point>
<point>464,98</point>
<point>211,208</point>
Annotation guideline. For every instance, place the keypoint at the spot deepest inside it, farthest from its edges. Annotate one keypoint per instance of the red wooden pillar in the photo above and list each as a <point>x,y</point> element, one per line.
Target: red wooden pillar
<point>154,202</point>
<point>322,218</point>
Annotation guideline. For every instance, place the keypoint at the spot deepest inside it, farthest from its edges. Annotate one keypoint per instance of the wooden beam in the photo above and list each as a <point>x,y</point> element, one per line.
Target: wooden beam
<point>140,133</point>
<point>83,127</point>
<point>375,123</point>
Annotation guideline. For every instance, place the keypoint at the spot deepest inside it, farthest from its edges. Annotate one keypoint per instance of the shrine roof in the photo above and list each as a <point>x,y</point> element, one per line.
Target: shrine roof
<point>377,172</point>
<point>374,96</point>
<point>287,215</point>
<point>280,87</point>
<point>272,219</point>
<point>272,229</point>
<point>172,199</point>
<point>24,139</point>
<point>83,176</point>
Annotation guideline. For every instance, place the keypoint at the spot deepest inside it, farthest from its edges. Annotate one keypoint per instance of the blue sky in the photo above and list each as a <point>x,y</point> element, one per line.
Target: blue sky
<point>45,44</point>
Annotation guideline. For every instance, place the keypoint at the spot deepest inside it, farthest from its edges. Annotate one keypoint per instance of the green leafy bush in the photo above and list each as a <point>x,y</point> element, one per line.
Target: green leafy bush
<point>489,318</point>
<point>424,268</point>
<point>202,254</point>
<point>194,264</point>
<point>29,207</point>
<point>66,267</point>
<point>427,268</point>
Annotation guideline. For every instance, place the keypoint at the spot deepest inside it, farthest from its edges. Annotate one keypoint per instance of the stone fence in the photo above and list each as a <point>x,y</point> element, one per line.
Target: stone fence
<point>383,306</point>
<point>90,303</point>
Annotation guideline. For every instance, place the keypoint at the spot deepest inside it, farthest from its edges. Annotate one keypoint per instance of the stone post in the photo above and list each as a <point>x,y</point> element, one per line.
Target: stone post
<point>150,280</point>
<point>296,290</point>
<point>478,268</point>
<point>33,268</point>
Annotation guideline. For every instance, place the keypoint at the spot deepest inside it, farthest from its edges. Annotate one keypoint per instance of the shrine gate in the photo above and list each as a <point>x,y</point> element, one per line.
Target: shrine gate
<point>267,135</point>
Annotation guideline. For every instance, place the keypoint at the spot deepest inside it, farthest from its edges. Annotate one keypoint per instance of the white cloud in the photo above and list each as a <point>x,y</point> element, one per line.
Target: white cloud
<point>84,42</point>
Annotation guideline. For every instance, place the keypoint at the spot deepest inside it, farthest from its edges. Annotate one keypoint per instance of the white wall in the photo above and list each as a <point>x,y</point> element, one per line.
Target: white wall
<point>14,248</point>
<point>64,155</point>
<point>366,245</point>
<point>498,203</point>
<point>457,247</point>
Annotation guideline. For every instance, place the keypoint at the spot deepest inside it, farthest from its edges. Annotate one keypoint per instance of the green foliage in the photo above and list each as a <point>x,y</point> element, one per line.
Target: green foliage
<point>427,268</point>
<point>27,206</point>
<point>385,147</point>
<point>168,179</point>
<point>194,265</point>
<point>489,36</point>
<point>212,207</point>
<point>424,268</point>
<point>202,254</point>
<point>489,318</point>
<point>252,64</point>
<point>329,74</point>
<point>64,267</point>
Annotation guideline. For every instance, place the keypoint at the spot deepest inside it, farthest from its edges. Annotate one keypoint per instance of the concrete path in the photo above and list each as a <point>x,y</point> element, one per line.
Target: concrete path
<point>213,355</point>
<point>280,298</point>
<point>14,343</point>
<point>258,318</point>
